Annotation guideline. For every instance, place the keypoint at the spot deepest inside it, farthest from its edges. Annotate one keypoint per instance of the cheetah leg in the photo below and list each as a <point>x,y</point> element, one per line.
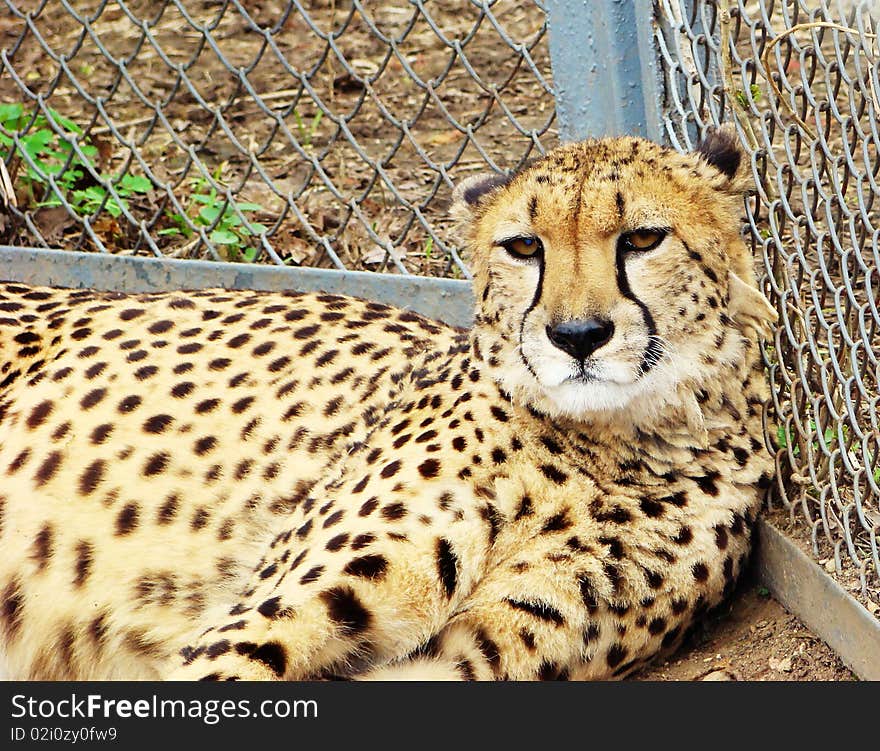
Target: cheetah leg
<point>512,627</point>
<point>377,607</point>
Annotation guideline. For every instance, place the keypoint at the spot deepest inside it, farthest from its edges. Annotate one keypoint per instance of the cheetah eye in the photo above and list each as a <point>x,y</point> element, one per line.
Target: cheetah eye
<point>523,247</point>
<point>642,239</point>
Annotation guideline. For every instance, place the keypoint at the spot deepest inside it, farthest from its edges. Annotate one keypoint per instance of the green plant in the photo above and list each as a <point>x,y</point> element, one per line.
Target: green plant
<point>52,155</point>
<point>743,99</point>
<point>307,132</point>
<point>207,207</point>
<point>88,201</point>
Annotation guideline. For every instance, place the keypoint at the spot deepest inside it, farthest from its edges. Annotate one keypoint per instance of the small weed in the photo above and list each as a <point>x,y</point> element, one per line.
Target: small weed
<point>50,154</point>
<point>307,132</point>
<point>429,248</point>
<point>763,592</point>
<point>207,207</point>
<point>743,99</point>
<point>53,156</point>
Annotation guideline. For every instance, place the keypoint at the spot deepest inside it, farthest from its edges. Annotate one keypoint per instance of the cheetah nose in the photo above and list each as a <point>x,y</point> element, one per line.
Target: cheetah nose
<point>582,337</point>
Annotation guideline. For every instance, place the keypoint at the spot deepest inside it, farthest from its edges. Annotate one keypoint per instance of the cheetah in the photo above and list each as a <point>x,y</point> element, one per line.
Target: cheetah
<point>226,485</point>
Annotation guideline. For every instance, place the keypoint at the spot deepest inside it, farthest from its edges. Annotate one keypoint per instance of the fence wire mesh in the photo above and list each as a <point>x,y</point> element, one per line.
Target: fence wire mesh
<point>799,78</point>
<point>324,133</point>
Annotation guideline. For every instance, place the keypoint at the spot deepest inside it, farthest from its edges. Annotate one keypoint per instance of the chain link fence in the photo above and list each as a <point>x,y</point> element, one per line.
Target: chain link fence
<point>324,133</point>
<point>799,78</point>
<point>329,133</point>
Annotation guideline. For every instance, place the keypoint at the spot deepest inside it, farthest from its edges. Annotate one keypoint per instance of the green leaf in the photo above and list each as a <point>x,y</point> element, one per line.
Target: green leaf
<point>36,142</point>
<point>224,237</point>
<point>763,592</point>
<point>209,214</point>
<point>248,207</point>
<point>169,231</point>
<point>781,437</point>
<point>10,114</point>
<point>250,254</point>
<point>64,122</point>
<point>136,183</point>
<point>113,207</point>
<point>202,198</point>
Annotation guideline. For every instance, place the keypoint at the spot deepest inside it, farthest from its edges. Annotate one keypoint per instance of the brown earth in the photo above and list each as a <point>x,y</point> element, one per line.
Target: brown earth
<point>751,638</point>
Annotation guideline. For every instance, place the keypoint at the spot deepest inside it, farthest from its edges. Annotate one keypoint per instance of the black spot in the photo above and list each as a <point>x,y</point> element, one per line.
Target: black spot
<point>168,509</point>
<point>588,595</point>
<point>684,536</point>
<point>525,508</point>
<point>39,414</point>
<point>499,414</point>
<point>720,537</point>
<point>346,610</point>
<point>205,444</point>
<point>540,610</point>
<point>337,543</point>
<point>156,464</point>
<point>313,574</point>
<point>91,477</point>
<point>272,655</point>
<point>83,565</point>
<point>429,468</point>
<point>552,473</point>
<point>707,483</point>
<point>182,389</point>
<point>145,372</point>
<point>557,523</point>
<point>367,566</point>
<point>700,572</point>
<point>43,547</point>
<point>92,398</point>
<point>394,511</point>
<point>127,520</point>
<point>270,608</point>
<point>389,470</point>
<point>10,608</point>
<point>651,508</point>
<point>670,637</point>
<point>447,566</point>
<point>48,468</point>
<point>157,423</point>
<point>616,655</point>
<point>129,404</point>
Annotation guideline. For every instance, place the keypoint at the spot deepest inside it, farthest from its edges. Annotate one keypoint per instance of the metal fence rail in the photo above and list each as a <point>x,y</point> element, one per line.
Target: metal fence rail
<point>322,133</point>
<point>328,133</point>
<point>799,78</point>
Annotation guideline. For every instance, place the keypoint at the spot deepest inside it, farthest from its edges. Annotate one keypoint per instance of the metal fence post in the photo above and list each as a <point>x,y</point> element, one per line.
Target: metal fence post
<point>604,60</point>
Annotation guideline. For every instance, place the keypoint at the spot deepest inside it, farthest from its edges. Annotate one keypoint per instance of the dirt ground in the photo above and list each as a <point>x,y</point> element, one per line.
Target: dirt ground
<point>751,638</point>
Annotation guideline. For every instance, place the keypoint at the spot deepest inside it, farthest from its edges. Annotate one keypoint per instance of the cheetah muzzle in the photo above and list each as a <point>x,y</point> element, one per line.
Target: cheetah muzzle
<point>242,485</point>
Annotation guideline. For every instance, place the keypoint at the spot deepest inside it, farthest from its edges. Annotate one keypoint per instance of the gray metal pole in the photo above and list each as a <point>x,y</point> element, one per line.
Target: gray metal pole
<point>605,70</point>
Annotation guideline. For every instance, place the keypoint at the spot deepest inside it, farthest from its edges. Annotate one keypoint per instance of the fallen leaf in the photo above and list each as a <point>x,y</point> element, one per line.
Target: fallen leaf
<point>52,222</point>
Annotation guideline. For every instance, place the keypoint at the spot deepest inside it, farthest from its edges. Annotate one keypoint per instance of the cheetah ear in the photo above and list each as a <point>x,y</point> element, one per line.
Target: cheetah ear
<point>748,306</point>
<point>473,191</point>
<point>721,149</point>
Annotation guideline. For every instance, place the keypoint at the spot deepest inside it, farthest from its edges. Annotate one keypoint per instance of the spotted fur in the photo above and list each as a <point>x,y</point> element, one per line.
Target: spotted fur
<point>237,485</point>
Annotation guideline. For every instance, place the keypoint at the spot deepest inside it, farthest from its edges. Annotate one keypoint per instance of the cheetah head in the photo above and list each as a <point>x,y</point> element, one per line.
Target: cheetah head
<point>611,274</point>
